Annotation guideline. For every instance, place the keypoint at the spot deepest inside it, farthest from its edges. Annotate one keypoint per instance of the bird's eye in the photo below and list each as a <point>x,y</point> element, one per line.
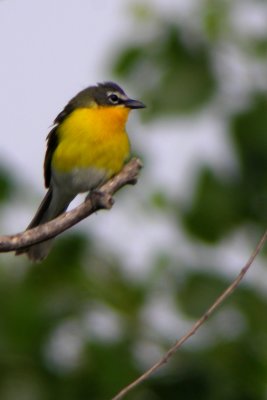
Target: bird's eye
<point>114,99</point>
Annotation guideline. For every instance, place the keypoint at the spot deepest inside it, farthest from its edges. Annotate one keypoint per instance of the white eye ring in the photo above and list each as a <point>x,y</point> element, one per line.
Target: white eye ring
<point>113,98</point>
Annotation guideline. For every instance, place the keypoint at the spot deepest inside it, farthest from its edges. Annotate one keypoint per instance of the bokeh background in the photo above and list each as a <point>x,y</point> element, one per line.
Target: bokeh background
<point>120,287</point>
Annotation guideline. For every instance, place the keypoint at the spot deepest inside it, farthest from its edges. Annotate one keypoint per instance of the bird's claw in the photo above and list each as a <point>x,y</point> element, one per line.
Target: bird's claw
<point>100,200</point>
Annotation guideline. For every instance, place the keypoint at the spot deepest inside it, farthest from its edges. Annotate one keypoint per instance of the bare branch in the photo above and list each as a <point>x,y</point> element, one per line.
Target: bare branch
<point>100,199</point>
<point>226,293</point>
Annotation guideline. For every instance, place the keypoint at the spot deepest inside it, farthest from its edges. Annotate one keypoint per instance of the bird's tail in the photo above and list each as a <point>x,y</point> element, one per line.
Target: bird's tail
<point>51,207</point>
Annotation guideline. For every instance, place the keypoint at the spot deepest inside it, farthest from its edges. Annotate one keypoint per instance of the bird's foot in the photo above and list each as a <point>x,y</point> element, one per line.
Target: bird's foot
<point>100,200</point>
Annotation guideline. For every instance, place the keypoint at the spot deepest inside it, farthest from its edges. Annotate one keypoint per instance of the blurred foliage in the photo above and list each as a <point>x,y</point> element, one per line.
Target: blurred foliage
<point>249,135</point>
<point>179,68</point>
<point>7,184</point>
<point>240,196</point>
<point>77,326</point>
<point>216,208</point>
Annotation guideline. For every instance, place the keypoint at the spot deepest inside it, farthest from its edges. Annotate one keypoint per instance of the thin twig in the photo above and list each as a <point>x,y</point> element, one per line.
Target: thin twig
<point>101,199</point>
<point>226,293</point>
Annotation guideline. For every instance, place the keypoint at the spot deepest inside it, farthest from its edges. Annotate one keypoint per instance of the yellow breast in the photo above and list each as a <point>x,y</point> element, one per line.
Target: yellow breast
<point>93,137</point>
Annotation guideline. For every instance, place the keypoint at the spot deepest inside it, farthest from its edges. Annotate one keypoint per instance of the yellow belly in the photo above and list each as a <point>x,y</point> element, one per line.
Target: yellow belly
<point>93,138</point>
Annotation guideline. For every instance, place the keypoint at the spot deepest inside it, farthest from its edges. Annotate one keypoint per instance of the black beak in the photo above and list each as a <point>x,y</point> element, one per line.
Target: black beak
<point>130,103</point>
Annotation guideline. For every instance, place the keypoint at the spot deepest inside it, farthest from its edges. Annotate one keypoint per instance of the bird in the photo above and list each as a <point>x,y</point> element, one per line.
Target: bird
<point>87,145</point>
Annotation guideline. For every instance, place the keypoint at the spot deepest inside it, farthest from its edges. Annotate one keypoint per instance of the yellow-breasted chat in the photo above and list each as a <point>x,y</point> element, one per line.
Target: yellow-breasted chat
<point>87,145</point>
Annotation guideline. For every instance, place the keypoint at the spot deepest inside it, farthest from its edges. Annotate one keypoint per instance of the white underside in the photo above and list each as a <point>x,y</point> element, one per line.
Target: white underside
<point>79,180</point>
<point>66,186</point>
